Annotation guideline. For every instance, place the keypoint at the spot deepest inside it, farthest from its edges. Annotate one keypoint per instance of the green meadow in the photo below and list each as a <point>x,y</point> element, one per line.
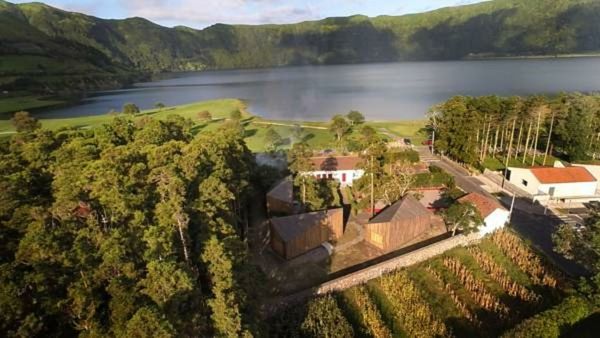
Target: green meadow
<point>316,134</point>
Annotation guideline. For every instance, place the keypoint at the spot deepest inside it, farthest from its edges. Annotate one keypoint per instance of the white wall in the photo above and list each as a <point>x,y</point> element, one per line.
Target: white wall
<point>563,190</point>
<point>496,220</point>
<point>517,175</point>
<point>351,175</point>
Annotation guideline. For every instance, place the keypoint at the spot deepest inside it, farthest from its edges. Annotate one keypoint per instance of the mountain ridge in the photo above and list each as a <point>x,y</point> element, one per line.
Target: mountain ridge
<point>119,50</point>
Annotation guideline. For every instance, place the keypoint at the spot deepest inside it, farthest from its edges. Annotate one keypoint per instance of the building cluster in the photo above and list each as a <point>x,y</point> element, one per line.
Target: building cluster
<point>293,232</point>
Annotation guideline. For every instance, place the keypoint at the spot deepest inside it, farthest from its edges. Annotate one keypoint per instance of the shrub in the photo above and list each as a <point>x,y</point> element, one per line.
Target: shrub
<point>550,323</point>
<point>325,319</point>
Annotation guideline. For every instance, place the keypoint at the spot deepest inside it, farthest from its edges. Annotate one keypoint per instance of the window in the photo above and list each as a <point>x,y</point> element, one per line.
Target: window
<point>524,183</point>
<point>377,239</point>
<point>330,176</point>
<point>343,177</point>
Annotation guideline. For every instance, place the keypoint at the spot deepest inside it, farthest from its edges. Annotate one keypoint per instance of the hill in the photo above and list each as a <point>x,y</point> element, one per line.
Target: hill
<point>44,49</point>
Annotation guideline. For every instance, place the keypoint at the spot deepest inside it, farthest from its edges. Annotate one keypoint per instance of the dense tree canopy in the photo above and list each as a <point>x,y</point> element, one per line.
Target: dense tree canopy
<point>132,229</point>
<point>523,130</point>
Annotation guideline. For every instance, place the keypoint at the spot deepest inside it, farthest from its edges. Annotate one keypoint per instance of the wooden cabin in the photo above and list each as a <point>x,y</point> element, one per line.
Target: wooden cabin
<point>399,223</point>
<point>280,199</point>
<point>295,235</point>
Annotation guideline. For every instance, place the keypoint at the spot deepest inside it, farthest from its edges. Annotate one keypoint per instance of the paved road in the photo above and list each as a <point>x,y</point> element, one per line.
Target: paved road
<point>527,219</point>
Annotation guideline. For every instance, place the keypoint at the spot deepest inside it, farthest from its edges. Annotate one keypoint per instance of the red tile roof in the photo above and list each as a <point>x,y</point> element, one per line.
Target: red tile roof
<point>485,205</point>
<point>562,175</point>
<point>335,163</point>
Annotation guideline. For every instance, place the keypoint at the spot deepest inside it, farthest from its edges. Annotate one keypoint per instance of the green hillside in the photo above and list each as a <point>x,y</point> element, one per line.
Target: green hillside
<point>47,50</point>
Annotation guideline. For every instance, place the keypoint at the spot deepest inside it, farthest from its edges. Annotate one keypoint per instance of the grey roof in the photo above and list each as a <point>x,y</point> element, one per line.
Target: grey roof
<point>406,208</point>
<point>290,227</point>
<point>283,191</point>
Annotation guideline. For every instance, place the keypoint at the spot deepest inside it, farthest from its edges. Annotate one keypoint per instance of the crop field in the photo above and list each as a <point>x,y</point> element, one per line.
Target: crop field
<point>485,290</point>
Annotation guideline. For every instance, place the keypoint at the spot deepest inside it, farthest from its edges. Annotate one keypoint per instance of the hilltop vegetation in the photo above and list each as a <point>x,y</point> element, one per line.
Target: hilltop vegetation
<point>49,50</point>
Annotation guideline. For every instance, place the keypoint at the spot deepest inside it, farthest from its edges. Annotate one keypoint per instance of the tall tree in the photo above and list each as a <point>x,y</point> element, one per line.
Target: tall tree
<point>464,217</point>
<point>24,122</point>
<point>355,118</point>
<point>339,126</point>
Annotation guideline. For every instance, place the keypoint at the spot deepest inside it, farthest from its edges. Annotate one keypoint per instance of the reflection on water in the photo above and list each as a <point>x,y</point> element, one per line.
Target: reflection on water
<point>380,91</point>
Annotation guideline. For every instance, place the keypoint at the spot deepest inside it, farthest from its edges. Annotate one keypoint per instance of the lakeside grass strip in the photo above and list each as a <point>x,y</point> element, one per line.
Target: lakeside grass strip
<point>524,258</point>
<point>366,312</point>
<point>409,308</point>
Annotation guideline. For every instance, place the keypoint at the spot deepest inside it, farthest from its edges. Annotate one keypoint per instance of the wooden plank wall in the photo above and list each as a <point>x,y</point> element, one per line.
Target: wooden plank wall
<point>396,233</point>
<point>310,239</point>
<point>335,219</point>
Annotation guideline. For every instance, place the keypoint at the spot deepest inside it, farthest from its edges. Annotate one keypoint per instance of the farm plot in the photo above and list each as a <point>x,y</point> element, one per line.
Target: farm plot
<point>478,291</point>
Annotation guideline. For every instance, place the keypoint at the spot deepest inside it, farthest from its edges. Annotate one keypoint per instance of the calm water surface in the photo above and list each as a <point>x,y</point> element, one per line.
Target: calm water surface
<point>380,91</point>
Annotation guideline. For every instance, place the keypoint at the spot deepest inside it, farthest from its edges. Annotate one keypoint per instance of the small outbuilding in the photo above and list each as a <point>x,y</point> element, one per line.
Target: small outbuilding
<point>280,199</point>
<point>494,215</point>
<point>292,236</point>
<point>399,223</point>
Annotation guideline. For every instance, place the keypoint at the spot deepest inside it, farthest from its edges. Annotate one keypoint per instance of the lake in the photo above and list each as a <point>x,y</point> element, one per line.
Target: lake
<point>380,91</point>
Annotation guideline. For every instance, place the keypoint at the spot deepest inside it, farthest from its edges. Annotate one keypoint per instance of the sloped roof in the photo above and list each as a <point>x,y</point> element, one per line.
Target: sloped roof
<point>484,204</point>
<point>283,191</point>
<point>562,175</point>
<point>406,208</point>
<point>290,227</point>
<point>335,163</point>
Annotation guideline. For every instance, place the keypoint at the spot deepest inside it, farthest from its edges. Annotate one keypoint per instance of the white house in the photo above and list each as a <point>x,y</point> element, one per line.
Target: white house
<point>344,169</point>
<point>559,184</point>
<point>495,216</point>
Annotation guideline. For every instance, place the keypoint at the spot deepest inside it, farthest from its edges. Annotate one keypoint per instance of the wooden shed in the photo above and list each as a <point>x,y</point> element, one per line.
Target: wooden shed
<point>295,235</point>
<point>398,224</point>
<point>280,199</point>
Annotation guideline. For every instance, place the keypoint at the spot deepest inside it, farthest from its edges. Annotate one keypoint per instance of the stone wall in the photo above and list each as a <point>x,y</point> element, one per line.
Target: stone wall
<point>374,271</point>
<point>396,263</point>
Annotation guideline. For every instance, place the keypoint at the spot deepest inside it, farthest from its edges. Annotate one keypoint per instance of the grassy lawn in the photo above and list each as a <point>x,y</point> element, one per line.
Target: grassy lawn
<point>12,104</point>
<point>316,134</point>
<point>411,129</point>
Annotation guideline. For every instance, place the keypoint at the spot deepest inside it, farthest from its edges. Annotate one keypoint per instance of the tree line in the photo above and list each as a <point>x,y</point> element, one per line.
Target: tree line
<point>517,130</point>
<point>132,229</point>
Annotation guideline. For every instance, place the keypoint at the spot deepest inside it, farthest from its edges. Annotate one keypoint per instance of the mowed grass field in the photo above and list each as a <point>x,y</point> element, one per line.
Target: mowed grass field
<point>316,134</point>
<point>477,291</point>
<point>12,104</point>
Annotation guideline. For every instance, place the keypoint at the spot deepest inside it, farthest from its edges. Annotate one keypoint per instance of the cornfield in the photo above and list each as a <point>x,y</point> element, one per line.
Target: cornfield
<point>368,314</point>
<point>524,258</point>
<point>460,305</point>
<point>476,287</point>
<point>499,275</point>
<point>410,309</point>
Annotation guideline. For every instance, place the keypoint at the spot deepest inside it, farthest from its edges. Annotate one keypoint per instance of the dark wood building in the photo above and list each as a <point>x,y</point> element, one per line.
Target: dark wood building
<point>295,235</point>
<point>399,223</point>
<point>280,199</point>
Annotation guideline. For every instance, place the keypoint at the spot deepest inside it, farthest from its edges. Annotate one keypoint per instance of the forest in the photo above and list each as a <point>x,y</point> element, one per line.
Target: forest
<point>47,50</point>
<point>518,131</point>
<point>132,229</point>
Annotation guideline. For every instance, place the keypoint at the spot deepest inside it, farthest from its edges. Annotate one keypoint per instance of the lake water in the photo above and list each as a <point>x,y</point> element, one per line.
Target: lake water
<point>380,91</point>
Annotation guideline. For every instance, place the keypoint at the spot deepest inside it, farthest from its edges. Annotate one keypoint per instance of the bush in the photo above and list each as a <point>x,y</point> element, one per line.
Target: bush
<point>325,319</point>
<point>404,155</point>
<point>550,323</point>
